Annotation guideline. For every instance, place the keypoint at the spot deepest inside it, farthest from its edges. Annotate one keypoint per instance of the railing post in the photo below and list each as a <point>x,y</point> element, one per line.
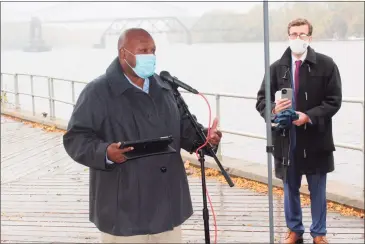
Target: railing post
<point>16,92</point>
<point>50,97</point>
<point>363,130</point>
<point>2,85</point>
<point>218,115</point>
<point>32,94</point>
<point>73,93</point>
<point>2,93</point>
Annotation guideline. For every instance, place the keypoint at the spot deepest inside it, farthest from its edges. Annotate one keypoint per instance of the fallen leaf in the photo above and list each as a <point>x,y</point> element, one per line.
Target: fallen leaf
<point>263,188</point>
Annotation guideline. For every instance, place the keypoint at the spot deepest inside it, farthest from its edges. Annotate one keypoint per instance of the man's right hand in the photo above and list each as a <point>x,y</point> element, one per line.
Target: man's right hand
<point>115,154</point>
<point>281,105</point>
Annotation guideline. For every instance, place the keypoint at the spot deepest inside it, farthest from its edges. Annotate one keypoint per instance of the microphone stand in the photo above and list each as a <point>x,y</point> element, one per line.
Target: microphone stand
<point>181,102</point>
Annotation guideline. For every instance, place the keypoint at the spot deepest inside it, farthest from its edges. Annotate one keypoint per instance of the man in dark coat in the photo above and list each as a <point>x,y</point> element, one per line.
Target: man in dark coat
<point>139,200</point>
<point>317,97</point>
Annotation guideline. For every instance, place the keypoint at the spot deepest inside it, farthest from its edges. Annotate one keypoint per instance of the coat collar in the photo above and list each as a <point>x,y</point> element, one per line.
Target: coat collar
<point>286,58</point>
<point>119,83</point>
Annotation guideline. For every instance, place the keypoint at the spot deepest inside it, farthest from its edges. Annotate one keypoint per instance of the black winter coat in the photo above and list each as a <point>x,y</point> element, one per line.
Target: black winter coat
<point>320,97</point>
<point>142,196</point>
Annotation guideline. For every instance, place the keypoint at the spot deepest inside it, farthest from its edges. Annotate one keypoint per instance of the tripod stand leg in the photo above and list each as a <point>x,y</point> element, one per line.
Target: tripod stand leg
<point>205,205</point>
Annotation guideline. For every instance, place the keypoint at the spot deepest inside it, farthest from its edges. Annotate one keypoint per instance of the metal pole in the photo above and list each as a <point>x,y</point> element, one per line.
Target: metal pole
<point>16,92</point>
<point>73,98</point>
<point>218,115</point>
<point>50,98</point>
<point>2,82</point>
<point>363,130</point>
<point>32,94</point>
<point>2,95</point>
<point>268,116</point>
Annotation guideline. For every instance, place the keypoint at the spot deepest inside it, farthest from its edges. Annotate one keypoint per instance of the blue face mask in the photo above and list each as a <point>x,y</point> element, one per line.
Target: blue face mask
<point>145,64</point>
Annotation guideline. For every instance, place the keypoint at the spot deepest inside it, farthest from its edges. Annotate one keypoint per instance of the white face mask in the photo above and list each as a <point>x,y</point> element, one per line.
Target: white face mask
<point>298,46</point>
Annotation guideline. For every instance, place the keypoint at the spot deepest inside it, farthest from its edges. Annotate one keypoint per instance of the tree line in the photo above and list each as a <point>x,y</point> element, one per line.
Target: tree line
<point>330,20</point>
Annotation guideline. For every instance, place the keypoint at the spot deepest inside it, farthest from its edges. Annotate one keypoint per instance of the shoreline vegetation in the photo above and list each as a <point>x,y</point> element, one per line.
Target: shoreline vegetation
<point>335,21</point>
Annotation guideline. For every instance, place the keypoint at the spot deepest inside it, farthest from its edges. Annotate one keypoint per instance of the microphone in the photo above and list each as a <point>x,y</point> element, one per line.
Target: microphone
<point>175,82</point>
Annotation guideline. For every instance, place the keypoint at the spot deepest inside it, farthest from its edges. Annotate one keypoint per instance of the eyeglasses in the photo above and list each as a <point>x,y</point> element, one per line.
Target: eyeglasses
<point>301,36</point>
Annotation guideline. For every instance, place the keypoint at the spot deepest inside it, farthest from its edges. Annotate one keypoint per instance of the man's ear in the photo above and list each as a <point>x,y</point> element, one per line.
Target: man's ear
<point>122,53</point>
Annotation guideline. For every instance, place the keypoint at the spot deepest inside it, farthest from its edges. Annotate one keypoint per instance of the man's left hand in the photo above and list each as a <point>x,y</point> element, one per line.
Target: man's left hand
<point>215,134</point>
<point>303,118</point>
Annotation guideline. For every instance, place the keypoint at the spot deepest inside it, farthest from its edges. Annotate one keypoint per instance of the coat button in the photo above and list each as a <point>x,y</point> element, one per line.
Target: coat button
<point>163,169</point>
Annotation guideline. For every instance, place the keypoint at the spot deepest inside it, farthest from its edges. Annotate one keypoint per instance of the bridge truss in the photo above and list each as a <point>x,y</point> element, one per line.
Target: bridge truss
<point>170,26</point>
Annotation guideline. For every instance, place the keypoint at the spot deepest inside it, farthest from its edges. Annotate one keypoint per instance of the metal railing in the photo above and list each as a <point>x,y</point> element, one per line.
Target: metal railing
<point>217,96</point>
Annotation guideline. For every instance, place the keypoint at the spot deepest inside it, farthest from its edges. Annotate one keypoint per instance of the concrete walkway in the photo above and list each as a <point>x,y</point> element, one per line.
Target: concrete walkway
<point>44,198</point>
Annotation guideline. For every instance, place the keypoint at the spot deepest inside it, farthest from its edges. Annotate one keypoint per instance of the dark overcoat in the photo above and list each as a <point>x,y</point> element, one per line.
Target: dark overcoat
<point>320,97</point>
<point>142,196</point>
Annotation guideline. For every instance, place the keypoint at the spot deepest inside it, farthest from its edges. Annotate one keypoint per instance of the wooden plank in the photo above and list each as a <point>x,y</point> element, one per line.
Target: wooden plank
<point>24,149</point>
<point>85,198</point>
<point>233,227</point>
<point>71,221</point>
<point>190,236</point>
<point>244,220</point>
<point>76,208</point>
<point>45,199</point>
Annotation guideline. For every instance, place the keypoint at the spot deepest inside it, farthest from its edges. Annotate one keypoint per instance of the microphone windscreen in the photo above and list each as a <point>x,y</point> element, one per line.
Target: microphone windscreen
<point>165,75</point>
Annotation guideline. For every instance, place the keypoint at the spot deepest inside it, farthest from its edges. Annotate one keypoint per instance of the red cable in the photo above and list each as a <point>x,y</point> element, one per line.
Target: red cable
<point>197,155</point>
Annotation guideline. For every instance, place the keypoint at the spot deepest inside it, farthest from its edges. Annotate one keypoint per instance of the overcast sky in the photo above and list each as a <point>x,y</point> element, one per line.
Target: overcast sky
<point>49,10</point>
<point>23,11</point>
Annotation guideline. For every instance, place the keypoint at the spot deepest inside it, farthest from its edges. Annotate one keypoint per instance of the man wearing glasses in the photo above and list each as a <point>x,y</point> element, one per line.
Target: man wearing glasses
<point>317,96</point>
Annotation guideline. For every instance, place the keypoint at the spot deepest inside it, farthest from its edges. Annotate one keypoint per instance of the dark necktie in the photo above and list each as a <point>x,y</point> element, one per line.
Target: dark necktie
<point>296,77</point>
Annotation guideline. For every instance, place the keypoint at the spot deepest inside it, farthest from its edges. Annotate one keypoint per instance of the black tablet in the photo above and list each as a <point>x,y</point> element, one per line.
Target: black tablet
<point>148,147</point>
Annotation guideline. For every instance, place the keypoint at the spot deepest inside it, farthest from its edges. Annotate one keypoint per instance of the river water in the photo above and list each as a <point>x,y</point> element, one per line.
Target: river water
<point>225,68</point>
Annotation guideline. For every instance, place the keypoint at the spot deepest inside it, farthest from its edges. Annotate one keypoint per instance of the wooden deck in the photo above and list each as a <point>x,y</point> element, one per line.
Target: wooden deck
<point>44,198</point>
